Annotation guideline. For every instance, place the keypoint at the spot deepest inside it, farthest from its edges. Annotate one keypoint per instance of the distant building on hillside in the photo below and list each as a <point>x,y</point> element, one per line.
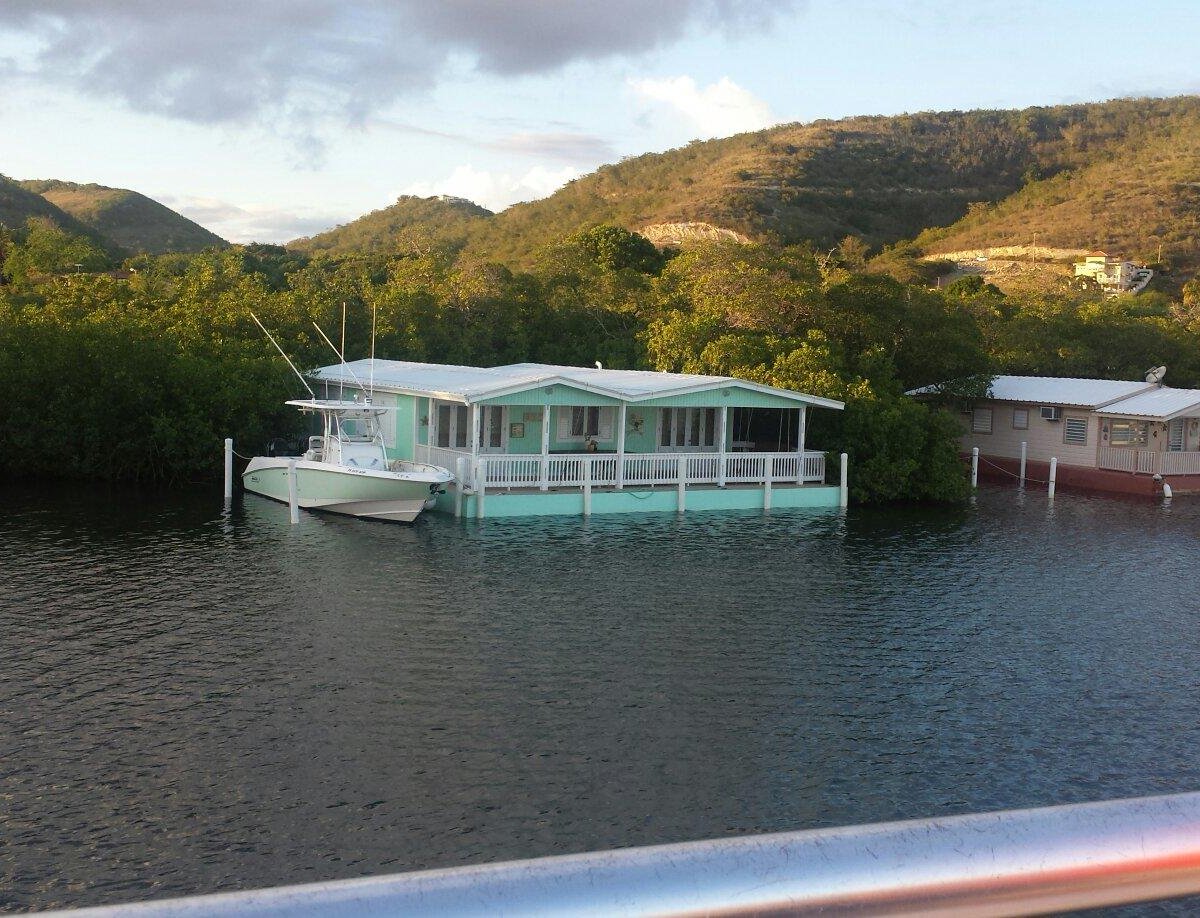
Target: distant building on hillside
<point>1112,274</point>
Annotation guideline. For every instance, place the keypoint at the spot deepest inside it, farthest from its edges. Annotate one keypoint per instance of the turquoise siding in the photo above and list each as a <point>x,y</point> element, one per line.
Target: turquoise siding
<point>556,394</point>
<point>664,500</point>
<point>715,398</point>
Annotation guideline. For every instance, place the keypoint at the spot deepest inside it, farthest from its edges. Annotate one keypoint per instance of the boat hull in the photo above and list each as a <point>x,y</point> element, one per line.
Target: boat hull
<point>365,493</point>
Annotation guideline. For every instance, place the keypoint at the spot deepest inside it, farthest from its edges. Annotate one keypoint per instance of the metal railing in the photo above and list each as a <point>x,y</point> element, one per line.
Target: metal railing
<point>573,470</point>
<point>1016,862</point>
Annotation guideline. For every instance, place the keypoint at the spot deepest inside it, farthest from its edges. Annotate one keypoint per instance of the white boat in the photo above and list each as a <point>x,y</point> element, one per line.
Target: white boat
<point>346,468</point>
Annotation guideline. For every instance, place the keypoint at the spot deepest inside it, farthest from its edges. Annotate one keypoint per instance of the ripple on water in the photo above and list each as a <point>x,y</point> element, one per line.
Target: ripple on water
<point>196,701</point>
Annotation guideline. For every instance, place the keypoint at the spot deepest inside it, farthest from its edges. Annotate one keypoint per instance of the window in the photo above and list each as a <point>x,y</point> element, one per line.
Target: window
<point>580,422</point>
<point>681,428</point>
<point>1128,433</point>
<point>1075,431</point>
<point>981,420</point>
<point>1020,419</point>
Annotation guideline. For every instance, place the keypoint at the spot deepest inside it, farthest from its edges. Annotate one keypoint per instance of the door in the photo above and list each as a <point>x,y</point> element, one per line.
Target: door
<point>493,435</point>
<point>687,430</point>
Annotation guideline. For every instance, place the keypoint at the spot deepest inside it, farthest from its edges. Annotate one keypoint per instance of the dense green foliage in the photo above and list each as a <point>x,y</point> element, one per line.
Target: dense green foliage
<point>139,373</point>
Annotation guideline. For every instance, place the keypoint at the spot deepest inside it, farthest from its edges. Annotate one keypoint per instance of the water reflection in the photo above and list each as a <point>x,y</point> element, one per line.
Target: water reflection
<point>199,699</point>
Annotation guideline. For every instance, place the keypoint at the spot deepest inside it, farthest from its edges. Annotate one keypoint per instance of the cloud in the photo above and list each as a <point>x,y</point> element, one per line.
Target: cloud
<point>496,190</point>
<point>226,61</point>
<point>251,223</point>
<point>718,110</point>
<point>565,146</point>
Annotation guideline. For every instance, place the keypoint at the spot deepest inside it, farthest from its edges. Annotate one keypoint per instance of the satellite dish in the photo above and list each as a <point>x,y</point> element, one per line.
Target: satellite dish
<point>1156,374</point>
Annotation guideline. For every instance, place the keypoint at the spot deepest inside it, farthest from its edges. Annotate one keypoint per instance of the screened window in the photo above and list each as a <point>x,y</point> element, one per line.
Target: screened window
<point>981,420</point>
<point>1075,431</point>
<point>583,421</point>
<point>1020,419</point>
<point>1128,433</point>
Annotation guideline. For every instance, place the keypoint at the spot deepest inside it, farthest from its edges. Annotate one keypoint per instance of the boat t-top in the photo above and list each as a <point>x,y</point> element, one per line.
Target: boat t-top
<point>346,468</point>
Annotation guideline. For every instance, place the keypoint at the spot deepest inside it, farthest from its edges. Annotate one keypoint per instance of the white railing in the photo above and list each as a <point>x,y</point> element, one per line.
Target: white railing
<point>439,455</point>
<point>1148,461</point>
<point>602,470</point>
<point>1014,862</point>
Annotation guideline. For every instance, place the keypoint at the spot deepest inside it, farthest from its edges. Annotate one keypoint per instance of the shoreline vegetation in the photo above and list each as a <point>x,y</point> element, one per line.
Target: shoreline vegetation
<point>136,371</point>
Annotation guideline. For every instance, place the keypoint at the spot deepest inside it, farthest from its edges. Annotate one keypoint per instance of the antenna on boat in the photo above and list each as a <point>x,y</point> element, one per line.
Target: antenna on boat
<point>371,397</point>
<point>299,375</point>
<point>341,355</point>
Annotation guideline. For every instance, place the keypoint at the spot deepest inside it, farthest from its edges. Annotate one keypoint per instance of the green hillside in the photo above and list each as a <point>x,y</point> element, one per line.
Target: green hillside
<point>18,205</point>
<point>411,223</point>
<point>1121,174</point>
<point>128,219</point>
<point>1135,191</point>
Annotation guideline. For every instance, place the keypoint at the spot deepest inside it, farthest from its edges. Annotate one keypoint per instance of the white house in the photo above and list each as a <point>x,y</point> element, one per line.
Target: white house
<point>1107,434</point>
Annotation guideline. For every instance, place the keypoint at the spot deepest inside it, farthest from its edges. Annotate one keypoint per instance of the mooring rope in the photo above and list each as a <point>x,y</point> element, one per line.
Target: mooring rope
<point>1013,474</point>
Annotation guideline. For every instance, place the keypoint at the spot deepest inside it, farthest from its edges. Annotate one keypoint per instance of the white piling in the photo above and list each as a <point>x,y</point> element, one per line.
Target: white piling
<point>460,472</point>
<point>844,487</point>
<point>681,487</point>
<point>293,500</point>
<point>1024,456</point>
<point>975,467</point>
<point>767,491</point>
<point>587,486</point>
<point>480,485</point>
<point>228,470</point>
<point>1053,476</point>
<point>1166,491</point>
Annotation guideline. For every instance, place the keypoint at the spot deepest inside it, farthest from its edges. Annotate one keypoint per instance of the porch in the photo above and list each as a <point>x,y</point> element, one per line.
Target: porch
<point>572,471</point>
<point>1148,461</point>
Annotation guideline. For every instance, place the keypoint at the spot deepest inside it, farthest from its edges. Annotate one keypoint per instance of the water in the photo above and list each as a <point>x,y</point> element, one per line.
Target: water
<point>192,701</point>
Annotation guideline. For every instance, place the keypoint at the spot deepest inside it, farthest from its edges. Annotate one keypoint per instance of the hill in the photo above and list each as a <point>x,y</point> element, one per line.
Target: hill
<point>18,204</point>
<point>128,219</point>
<point>411,222</point>
<point>1118,174</point>
<point>1134,191</point>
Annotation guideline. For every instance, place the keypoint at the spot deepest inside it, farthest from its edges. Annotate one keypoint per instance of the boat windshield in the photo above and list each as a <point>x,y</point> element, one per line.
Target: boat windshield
<point>357,428</point>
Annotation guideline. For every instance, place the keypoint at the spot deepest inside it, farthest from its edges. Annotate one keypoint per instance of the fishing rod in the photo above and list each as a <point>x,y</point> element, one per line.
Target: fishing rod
<point>299,375</point>
<point>342,357</point>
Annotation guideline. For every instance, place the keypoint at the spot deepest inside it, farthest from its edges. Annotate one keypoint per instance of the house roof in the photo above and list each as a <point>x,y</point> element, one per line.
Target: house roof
<point>475,384</point>
<point>1058,390</point>
<point>1161,404</point>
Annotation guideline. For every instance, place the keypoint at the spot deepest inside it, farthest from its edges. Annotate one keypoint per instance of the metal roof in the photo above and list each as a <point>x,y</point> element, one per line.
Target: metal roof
<point>1057,390</point>
<point>1161,404</point>
<point>472,384</point>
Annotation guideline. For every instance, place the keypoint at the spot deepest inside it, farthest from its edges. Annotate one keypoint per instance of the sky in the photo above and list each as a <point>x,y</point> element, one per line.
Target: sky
<point>272,119</point>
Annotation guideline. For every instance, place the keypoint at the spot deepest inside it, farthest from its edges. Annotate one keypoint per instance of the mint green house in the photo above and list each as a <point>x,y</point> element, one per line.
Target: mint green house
<point>533,439</point>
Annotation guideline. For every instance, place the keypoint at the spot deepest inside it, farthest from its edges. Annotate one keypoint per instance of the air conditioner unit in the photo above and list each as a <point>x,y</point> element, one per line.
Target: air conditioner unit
<point>1051,413</point>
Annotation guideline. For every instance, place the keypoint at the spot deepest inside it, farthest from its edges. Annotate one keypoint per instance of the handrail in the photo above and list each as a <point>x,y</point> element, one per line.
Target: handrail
<point>1014,862</point>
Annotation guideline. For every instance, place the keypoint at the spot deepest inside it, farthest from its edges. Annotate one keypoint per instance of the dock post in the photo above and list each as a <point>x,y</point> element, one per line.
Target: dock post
<point>228,470</point>
<point>460,472</point>
<point>681,486</point>
<point>293,500</point>
<point>1053,476</point>
<point>1024,456</point>
<point>975,467</point>
<point>587,486</point>
<point>844,486</point>
<point>767,492</point>
<point>480,485</point>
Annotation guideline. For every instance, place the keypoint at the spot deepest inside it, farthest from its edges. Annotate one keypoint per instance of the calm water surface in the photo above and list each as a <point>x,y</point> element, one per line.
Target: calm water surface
<point>193,701</point>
